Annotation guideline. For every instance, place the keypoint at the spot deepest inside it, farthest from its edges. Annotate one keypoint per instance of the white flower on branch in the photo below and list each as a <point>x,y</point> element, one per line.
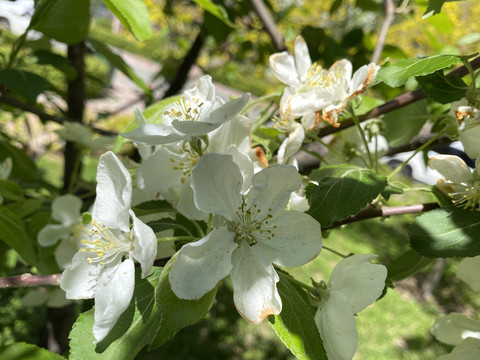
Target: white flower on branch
<point>104,267</point>
<point>461,184</point>
<point>198,112</point>
<point>257,233</point>
<point>355,283</point>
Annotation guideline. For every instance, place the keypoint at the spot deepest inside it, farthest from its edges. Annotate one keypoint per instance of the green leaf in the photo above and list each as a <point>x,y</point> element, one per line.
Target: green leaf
<point>434,7</point>
<point>24,351</point>
<point>44,57</point>
<point>446,232</point>
<point>133,14</point>
<point>407,264</point>
<point>175,313</point>
<point>66,21</point>
<point>10,190</point>
<point>216,10</point>
<point>391,190</point>
<point>119,63</point>
<point>165,224</point>
<point>23,166</point>
<point>25,83</point>
<point>403,124</point>
<point>24,208</point>
<point>437,87</point>
<point>295,325</point>
<point>152,207</point>
<point>342,190</point>
<point>135,328</point>
<point>14,234</point>
<point>397,74</point>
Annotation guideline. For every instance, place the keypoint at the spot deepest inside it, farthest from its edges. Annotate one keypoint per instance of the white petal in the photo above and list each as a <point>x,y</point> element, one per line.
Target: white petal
<point>154,134</point>
<point>204,90</point>
<point>144,244</point>
<point>308,121</point>
<point>336,323</point>
<point>297,239</point>
<point>51,233</point>
<point>112,297</point>
<point>199,266</point>
<point>66,209</point>
<point>216,182</point>
<point>213,120</point>
<point>469,271</point>
<point>235,132</point>
<point>186,203</point>
<point>451,167</point>
<point>361,281</point>
<point>254,285</point>
<point>291,145</point>
<point>283,66</point>
<point>362,77</point>
<point>114,193</point>
<point>342,69</point>
<point>245,165</point>
<point>302,58</point>
<point>310,101</point>
<point>454,327</point>
<point>159,173</point>
<point>80,278</point>
<point>65,252</point>
<point>271,188</point>
<point>470,140</point>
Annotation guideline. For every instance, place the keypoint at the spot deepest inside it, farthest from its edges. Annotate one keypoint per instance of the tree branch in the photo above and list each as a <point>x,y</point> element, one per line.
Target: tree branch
<point>269,24</point>
<point>389,17</point>
<point>396,103</point>
<point>384,211</point>
<point>28,280</point>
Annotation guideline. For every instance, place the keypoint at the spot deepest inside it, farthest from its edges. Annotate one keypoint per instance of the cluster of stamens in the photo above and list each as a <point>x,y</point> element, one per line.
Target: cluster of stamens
<point>186,164</point>
<point>103,244</point>
<point>184,110</point>
<point>250,227</point>
<point>283,124</point>
<point>319,77</point>
<point>467,199</point>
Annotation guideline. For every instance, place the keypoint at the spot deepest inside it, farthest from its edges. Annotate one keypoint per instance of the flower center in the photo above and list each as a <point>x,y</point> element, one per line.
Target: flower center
<point>184,110</point>
<point>104,245</point>
<point>284,124</point>
<point>252,225</point>
<point>468,198</point>
<point>185,162</point>
<point>317,77</point>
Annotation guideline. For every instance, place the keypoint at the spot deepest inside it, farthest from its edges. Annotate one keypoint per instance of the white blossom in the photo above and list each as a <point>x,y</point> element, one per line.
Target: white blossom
<point>104,268</point>
<point>256,233</point>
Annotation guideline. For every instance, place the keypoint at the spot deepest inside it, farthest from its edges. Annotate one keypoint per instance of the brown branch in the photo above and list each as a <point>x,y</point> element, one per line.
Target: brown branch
<point>28,280</point>
<point>396,103</point>
<point>371,212</point>
<point>389,17</point>
<point>268,24</point>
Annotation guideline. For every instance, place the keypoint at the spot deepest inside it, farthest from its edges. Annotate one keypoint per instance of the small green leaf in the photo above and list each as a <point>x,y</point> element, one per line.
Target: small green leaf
<point>14,234</point>
<point>152,207</point>
<point>216,10</point>
<point>295,325</point>
<point>134,16</point>
<point>446,232</point>
<point>342,190</point>
<point>24,208</point>
<point>119,63</point>
<point>175,313</point>
<point>435,7</point>
<point>44,57</point>
<point>24,351</point>
<point>23,166</point>
<point>25,83</point>
<point>437,87</point>
<point>391,190</point>
<point>10,190</point>
<point>404,123</point>
<point>407,264</point>
<point>397,74</point>
<point>66,21</point>
<point>165,224</point>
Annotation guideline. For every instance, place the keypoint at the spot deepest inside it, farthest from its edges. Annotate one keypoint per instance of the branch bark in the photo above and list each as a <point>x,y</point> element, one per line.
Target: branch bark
<point>269,24</point>
<point>29,280</point>
<point>389,17</point>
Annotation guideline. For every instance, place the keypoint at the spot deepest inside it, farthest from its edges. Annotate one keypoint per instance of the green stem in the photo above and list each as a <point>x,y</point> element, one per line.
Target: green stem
<point>334,251</point>
<point>328,146</point>
<point>199,228</point>
<point>472,75</point>
<point>421,148</point>
<point>260,99</point>
<point>177,238</point>
<point>362,135</point>
<point>264,117</point>
<point>301,284</point>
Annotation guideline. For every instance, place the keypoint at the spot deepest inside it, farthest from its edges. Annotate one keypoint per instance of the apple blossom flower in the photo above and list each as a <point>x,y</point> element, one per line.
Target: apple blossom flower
<point>461,184</point>
<point>104,268</point>
<point>355,283</point>
<point>65,210</point>
<point>198,112</point>
<point>469,128</point>
<point>257,232</point>
<point>312,89</point>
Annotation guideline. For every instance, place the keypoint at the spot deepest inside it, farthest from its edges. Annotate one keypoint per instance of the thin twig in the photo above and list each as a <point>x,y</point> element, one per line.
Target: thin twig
<point>389,17</point>
<point>269,24</point>
<point>28,280</point>
<point>371,212</point>
<point>396,103</point>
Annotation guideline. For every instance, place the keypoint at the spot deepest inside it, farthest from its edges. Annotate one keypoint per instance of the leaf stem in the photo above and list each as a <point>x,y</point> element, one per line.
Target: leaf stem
<point>362,135</point>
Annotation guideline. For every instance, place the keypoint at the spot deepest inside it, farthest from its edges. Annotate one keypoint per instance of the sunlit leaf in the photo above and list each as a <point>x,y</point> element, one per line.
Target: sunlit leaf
<point>134,16</point>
